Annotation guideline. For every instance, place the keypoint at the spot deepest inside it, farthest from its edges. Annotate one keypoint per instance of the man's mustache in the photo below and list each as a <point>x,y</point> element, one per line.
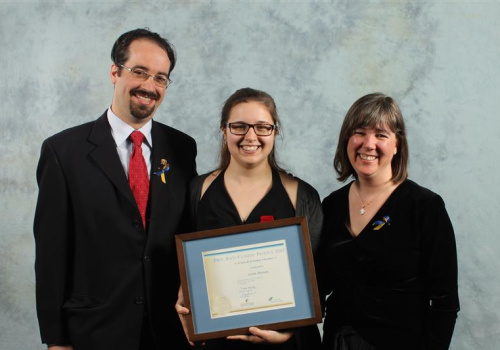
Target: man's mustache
<point>145,93</point>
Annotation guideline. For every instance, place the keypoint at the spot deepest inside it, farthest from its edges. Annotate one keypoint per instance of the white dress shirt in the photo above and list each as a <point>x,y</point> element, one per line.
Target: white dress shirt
<point>121,132</point>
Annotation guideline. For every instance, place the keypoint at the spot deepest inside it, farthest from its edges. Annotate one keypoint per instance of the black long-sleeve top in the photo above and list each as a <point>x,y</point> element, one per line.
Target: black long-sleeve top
<point>395,285</point>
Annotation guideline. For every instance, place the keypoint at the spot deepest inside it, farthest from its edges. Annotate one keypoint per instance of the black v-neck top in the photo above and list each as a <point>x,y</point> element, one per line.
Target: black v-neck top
<point>396,282</point>
<point>216,208</point>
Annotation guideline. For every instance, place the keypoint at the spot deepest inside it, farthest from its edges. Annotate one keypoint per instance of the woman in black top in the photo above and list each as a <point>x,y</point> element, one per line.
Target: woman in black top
<point>250,187</point>
<point>388,254</point>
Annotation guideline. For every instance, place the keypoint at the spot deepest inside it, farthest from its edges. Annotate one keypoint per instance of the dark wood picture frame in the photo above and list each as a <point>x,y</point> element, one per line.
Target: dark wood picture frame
<point>294,231</point>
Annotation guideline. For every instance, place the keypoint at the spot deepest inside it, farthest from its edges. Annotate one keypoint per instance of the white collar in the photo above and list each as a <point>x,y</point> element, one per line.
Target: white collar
<point>121,130</point>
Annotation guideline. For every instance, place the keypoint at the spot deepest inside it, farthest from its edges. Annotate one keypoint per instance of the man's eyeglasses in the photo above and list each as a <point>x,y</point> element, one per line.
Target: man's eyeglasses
<point>140,74</point>
<point>242,128</point>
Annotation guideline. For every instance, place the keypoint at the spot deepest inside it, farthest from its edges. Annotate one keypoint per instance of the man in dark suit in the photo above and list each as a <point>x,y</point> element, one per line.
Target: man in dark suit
<point>106,268</point>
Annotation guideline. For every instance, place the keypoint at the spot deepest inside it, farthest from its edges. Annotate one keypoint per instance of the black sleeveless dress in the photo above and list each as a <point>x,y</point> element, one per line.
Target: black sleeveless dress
<point>217,210</point>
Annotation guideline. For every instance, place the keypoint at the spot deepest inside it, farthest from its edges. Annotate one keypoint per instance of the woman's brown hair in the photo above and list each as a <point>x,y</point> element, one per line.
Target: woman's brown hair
<point>242,96</point>
<point>371,111</point>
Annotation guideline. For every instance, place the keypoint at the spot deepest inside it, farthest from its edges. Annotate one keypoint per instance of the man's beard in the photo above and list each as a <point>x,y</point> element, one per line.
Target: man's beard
<point>139,111</point>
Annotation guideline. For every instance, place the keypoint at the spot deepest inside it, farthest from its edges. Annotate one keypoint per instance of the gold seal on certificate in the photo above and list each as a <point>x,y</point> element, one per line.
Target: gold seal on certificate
<point>248,278</point>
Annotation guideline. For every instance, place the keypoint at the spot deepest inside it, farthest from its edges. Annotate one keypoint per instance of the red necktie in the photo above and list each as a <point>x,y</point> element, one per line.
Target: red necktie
<point>138,175</point>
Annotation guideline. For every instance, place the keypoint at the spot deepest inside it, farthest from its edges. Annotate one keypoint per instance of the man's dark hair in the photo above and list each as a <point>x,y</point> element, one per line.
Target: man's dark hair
<point>120,52</point>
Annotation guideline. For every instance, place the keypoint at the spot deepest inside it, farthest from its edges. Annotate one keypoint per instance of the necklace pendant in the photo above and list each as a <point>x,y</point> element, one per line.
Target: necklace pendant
<point>362,211</point>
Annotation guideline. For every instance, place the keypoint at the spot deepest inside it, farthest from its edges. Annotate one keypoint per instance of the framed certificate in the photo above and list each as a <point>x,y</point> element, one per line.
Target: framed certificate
<point>248,275</point>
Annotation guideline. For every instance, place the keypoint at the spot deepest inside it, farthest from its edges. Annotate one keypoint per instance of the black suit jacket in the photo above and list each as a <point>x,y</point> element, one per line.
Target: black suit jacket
<point>97,271</point>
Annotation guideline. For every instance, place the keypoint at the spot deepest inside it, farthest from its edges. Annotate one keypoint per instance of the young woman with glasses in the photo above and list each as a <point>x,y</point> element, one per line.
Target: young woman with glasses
<point>249,187</point>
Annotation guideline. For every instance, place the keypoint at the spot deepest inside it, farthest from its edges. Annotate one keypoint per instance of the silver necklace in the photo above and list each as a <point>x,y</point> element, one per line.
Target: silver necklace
<point>362,211</point>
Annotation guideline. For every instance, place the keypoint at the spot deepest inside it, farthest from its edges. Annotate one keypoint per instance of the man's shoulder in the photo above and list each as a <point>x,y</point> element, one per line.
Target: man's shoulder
<point>72,135</point>
<point>75,133</point>
<point>171,131</point>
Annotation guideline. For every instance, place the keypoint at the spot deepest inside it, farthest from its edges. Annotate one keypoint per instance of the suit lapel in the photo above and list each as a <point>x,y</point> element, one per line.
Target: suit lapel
<point>161,150</point>
<point>106,156</point>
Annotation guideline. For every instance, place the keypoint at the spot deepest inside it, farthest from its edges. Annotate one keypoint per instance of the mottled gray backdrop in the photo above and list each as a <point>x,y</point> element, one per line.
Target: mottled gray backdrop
<point>440,60</point>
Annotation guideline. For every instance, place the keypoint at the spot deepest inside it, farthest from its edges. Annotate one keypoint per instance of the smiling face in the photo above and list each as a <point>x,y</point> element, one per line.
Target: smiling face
<point>249,150</point>
<point>135,101</point>
<point>371,150</point>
